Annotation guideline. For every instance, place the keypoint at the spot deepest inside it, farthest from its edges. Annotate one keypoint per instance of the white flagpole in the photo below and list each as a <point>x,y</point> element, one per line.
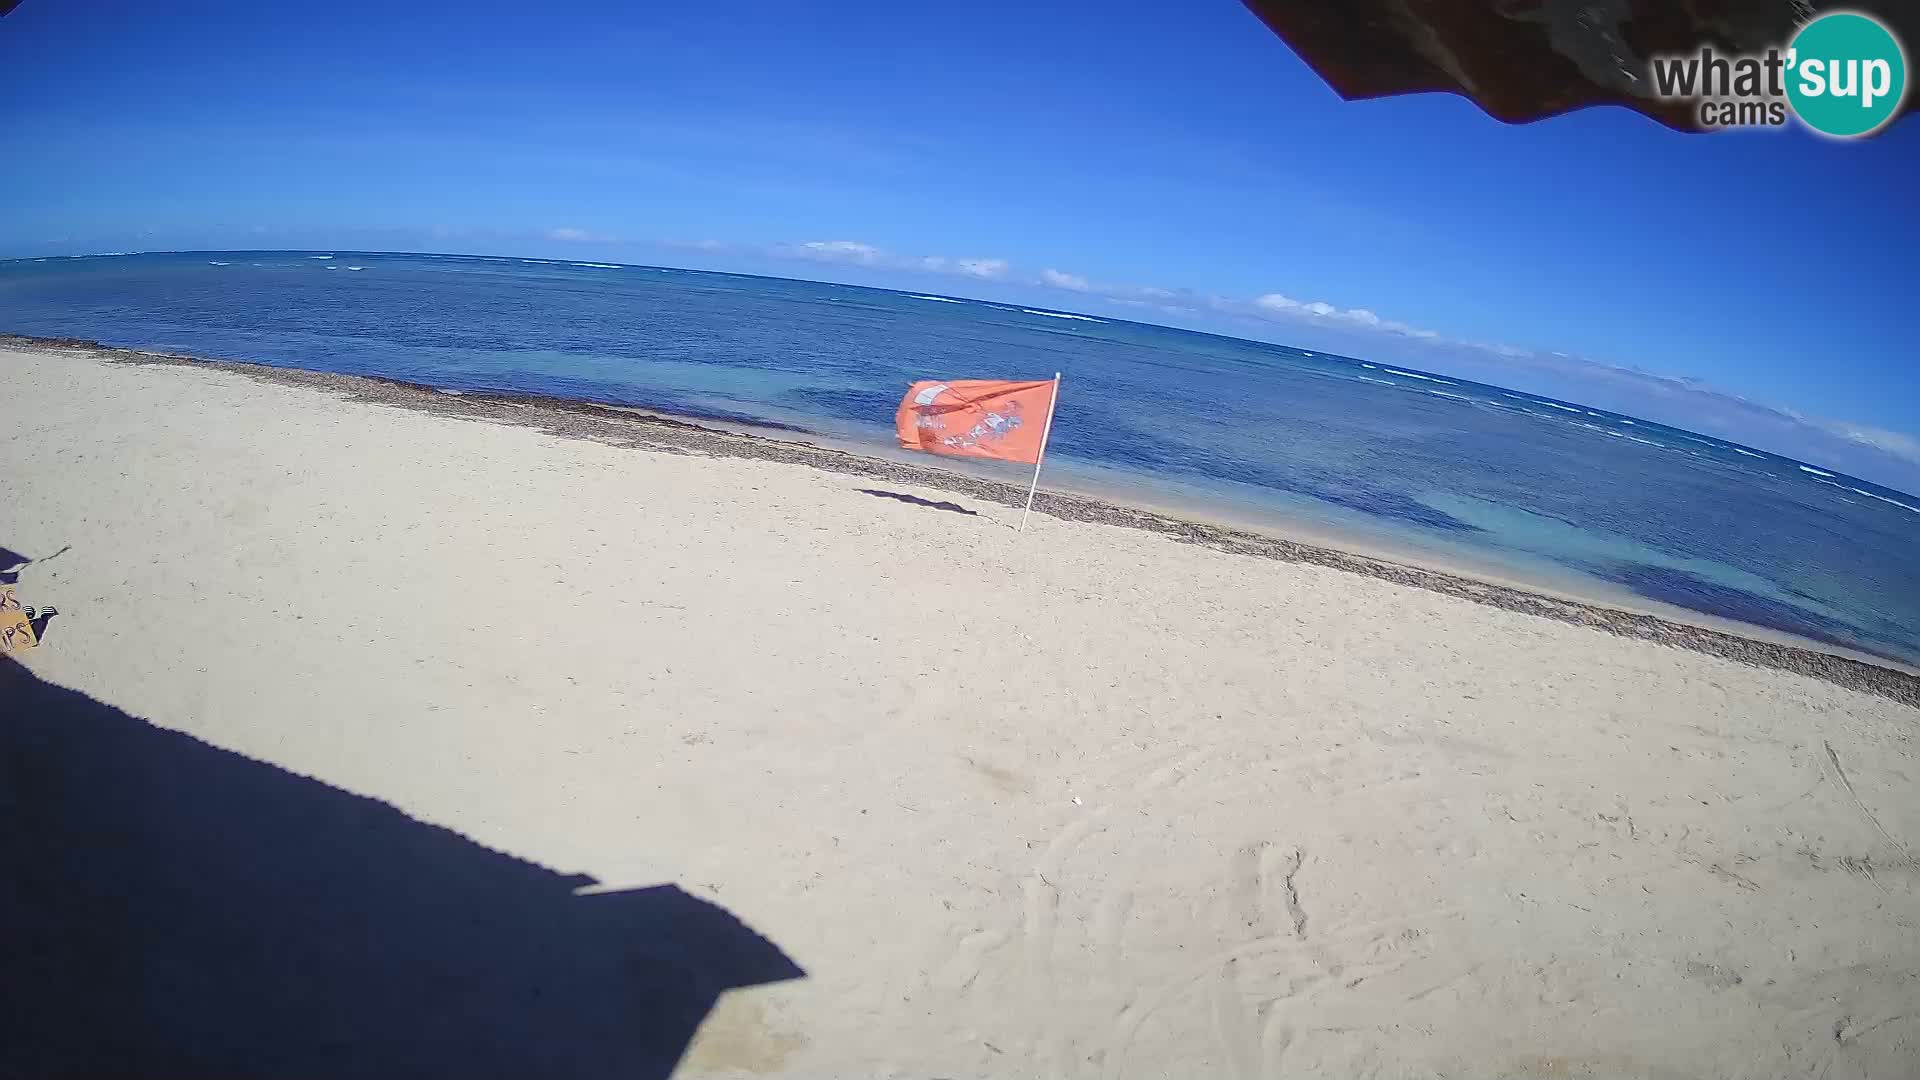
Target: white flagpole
<point>1045,432</point>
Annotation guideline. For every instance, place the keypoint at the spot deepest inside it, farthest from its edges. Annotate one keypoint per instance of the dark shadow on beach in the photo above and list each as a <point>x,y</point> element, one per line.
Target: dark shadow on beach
<point>171,909</point>
<point>11,562</point>
<point>915,500</point>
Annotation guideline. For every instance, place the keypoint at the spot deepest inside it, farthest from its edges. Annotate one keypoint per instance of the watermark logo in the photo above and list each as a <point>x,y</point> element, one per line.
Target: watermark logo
<point>1844,74</point>
<point>1850,75</point>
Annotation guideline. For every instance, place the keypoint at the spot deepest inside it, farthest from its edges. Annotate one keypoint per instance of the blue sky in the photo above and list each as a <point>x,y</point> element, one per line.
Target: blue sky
<point>1169,162</point>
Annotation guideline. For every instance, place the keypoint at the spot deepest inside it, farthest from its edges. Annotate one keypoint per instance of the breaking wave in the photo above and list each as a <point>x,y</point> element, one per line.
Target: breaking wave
<point>1870,495</point>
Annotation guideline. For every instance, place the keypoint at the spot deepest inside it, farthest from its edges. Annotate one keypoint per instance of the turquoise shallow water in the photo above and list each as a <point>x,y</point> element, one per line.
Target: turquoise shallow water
<point>1404,457</point>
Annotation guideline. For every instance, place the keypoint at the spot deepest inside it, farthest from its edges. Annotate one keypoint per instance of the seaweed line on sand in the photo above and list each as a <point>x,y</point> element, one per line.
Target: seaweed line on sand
<point>653,432</point>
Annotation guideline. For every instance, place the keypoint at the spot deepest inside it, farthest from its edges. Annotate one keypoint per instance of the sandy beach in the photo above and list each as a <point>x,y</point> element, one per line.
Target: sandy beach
<point>1121,796</point>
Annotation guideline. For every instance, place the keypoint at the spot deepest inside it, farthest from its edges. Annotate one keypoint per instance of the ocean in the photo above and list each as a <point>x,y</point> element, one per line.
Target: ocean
<point>1393,458</point>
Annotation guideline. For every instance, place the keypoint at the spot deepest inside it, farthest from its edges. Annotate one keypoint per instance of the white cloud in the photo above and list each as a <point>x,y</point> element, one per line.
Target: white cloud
<point>1895,443</point>
<point>863,254</point>
<point>1284,305</point>
<point>841,251</point>
<point>695,245</point>
<point>1172,301</point>
<point>1060,279</point>
<point>571,235</point>
<point>1508,351</point>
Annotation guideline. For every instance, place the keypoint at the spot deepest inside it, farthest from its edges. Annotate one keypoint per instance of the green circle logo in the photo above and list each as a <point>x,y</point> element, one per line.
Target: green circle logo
<point>1846,75</point>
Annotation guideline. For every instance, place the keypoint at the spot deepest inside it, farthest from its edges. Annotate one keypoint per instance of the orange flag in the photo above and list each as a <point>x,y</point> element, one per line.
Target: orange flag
<point>982,418</point>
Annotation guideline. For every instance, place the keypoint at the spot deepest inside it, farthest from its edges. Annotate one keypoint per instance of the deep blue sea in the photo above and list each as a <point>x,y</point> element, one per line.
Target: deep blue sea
<point>1546,491</point>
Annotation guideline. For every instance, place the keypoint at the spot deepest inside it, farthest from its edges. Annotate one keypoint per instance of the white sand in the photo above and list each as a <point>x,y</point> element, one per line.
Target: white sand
<point>1081,803</point>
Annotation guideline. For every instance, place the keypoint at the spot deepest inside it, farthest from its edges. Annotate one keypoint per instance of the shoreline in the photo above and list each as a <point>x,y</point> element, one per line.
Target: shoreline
<point>645,429</point>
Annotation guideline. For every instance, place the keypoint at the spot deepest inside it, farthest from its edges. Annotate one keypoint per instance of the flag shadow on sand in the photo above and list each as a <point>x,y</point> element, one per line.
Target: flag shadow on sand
<point>171,909</point>
<point>915,500</point>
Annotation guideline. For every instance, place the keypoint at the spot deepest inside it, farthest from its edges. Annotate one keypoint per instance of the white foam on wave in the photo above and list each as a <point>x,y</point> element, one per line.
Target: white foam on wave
<point>1884,499</point>
<point>333,268</point>
<point>1377,382</point>
<point>1062,315</point>
<point>1363,364</point>
<point>1814,471</point>
<point>1627,422</point>
<point>211,262</point>
<point>942,299</point>
<point>1443,393</point>
<point>356,268</point>
<point>1562,408</point>
<point>1417,375</point>
<point>1748,453</point>
<point>1868,494</point>
<point>319,256</point>
<point>598,266</point>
